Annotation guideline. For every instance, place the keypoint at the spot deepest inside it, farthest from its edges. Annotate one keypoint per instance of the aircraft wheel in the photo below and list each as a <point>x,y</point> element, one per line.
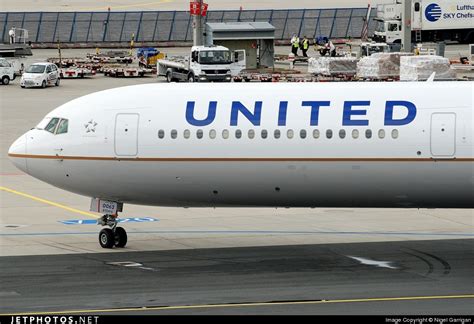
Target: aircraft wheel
<point>106,238</point>
<point>120,237</point>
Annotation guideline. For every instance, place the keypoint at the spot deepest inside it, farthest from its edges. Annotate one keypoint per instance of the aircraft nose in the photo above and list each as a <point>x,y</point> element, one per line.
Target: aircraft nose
<point>17,153</point>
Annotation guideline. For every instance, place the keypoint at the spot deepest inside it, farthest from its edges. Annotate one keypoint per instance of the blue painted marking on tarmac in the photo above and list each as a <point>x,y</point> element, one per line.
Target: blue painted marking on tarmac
<point>120,220</point>
<point>252,232</point>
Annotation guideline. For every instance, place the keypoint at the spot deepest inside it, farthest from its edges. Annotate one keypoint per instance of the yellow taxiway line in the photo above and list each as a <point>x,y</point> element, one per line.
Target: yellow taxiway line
<point>210,306</point>
<point>48,202</point>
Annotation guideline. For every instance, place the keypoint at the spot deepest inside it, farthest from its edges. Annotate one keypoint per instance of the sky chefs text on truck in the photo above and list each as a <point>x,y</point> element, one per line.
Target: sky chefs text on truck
<point>435,12</point>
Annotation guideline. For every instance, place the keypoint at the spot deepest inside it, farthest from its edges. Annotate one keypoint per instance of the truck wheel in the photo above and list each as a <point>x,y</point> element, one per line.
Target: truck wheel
<point>191,78</point>
<point>169,77</point>
<point>5,80</point>
<point>43,85</point>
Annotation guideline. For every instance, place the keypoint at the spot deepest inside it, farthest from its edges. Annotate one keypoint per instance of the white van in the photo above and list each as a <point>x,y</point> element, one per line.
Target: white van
<point>7,72</point>
<point>40,75</point>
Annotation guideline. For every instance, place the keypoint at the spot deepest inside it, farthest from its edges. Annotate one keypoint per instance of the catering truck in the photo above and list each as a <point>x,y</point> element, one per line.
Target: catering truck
<point>431,21</point>
<point>204,64</point>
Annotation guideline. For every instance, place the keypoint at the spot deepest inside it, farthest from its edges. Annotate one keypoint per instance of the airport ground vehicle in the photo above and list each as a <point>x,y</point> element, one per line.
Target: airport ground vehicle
<point>40,75</point>
<point>7,72</point>
<point>431,21</point>
<point>367,49</point>
<point>205,63</point>
<point>75,72</point>
<point>147,57</point>
<point>113,56</point>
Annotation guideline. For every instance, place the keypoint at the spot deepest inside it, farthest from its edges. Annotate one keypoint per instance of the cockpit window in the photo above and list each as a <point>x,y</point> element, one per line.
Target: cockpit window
<point>52,125</point>
<point>62,127</point>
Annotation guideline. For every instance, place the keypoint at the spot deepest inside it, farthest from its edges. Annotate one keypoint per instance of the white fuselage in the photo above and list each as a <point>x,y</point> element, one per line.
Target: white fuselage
<point>131,145</point>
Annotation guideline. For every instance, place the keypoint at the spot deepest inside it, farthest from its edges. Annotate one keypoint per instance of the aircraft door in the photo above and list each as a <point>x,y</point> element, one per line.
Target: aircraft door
<point>443,135</point>
<point>126,134</point>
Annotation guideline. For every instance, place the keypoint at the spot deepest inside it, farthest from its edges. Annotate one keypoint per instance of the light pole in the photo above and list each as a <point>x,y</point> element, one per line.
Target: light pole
<point>406,26</point>
<point>197,25</point>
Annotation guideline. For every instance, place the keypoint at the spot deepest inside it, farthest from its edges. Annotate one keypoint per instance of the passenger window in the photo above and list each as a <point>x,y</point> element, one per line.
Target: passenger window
<point>316,133</point>
<point>199,133</point>
<point>225,134</point>
<point>48,69</point>
<point>368,133</point>
<point>187,133</point>
<point>290,133</point>
<point>161,133</point>
<point>212,133</point>
<point>62,127</point>
<point>52,125</point>
<point>395,133</point>
<point>174,134</point>
<point>251,133</point>
<point>329,133</point>
<point>238,133</point>
<point>355,133</point>
<point>264,133</point>
<point>303,133</point>
<point>276,133</point>
<point>381,133</point>
<point>342,133</point>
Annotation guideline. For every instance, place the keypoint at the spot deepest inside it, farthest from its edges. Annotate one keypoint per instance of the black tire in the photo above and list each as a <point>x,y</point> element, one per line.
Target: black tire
<point>106,238</point>
<point>43,84</point>
<point>23,87</point>
<point>120,237</point>
<point>5,80</point>
<point>169,77</point>
<point>191,78</point>
<point>57,82</point>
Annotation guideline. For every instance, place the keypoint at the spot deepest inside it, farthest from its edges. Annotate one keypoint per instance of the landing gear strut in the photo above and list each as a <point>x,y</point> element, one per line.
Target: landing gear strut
<point>113,236</point>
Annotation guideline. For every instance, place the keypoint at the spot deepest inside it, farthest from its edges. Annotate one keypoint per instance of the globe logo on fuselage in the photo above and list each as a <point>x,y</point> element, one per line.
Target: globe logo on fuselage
<point>433,12</point>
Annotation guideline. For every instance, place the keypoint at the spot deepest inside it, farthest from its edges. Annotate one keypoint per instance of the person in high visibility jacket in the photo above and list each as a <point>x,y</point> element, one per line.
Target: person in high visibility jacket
<point>295,44</point>
<point>305,46</point>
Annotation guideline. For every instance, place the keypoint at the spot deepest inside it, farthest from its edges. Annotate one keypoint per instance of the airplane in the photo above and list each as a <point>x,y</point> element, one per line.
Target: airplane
<point>340,144</point>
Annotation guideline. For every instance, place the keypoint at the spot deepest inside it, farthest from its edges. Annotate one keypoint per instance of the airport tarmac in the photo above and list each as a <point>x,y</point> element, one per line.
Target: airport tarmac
<point>50,259</point>
<point>414,277</point>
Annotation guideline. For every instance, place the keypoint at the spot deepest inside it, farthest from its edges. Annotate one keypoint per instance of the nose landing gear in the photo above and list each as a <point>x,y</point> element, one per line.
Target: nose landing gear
<point>113,236</point>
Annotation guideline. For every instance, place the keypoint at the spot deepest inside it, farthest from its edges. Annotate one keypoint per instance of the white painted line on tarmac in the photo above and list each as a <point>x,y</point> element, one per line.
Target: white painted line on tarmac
<point>380,264</point>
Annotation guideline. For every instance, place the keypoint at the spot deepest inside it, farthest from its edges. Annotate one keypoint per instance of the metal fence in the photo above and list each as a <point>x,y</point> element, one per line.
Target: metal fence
<point>169,26</point>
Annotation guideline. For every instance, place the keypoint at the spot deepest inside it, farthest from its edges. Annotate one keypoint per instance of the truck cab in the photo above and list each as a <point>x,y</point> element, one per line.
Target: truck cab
<point>390,32</point>
<point>210,63</point>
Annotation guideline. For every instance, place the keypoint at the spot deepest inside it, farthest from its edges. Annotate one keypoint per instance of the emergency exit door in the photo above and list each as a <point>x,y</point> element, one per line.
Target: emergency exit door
<point>443,134</point>
<point>126,134</point>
